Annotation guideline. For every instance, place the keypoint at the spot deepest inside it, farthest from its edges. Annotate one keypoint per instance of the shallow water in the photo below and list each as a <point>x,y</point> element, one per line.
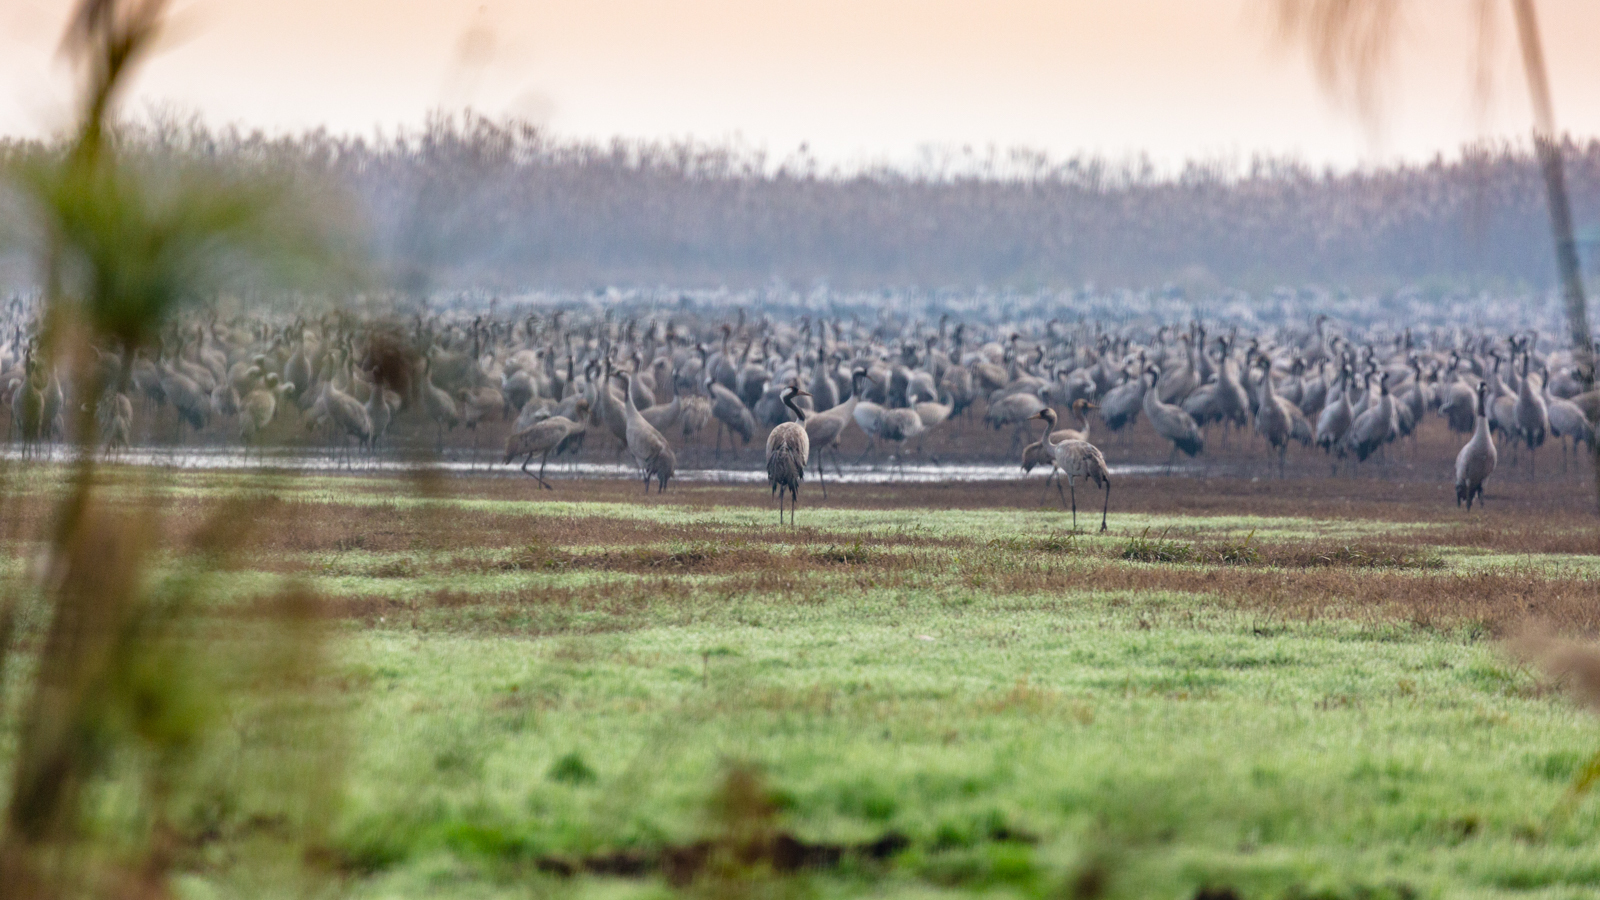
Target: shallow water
<point>224,459</point>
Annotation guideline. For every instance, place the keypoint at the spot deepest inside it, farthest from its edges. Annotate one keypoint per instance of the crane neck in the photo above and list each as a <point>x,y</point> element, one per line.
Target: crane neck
<point>627,394</point>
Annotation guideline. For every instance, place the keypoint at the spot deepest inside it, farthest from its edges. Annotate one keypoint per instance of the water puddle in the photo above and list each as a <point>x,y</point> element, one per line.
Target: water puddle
<point>225,459</point>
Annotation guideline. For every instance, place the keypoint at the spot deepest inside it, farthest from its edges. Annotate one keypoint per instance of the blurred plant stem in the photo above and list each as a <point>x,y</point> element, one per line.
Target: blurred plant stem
<point>1349,42</point>
<point>1548,146</point>
<point>130,683</point>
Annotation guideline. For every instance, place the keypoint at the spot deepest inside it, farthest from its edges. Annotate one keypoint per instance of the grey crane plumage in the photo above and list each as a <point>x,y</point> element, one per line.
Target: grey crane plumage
<point>1530,413</point>
<point>1476,461</point>
<point>1171,422</point>
<point>824,390</point>
<point>731,414</point>
<point>259,406</point>
<point>541,439</point>
<point>1458,403</point>
<point>824,429</point>
<point>663,416</point>
<point>1077,459</point>
<point>1272,416</point>
<point>349,417</point>
<point>1568,421</point>
<point>379,413</point>
<point>645,444</point>
<point>1375,426</point>
<point>788,448</point>
<point>114,416</point>
<point>1015,410</point>
<point>438,403</point>
<point>1335,419</point>
<point>1121,405</point>
<point>1038,452</point>
<point>192,403</point>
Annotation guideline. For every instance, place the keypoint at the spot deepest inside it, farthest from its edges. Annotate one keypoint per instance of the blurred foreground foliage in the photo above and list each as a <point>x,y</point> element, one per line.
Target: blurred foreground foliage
<point>150,726</point>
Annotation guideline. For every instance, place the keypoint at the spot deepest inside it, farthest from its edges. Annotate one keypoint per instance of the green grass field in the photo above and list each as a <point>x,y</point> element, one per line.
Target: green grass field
<point>605,698</point>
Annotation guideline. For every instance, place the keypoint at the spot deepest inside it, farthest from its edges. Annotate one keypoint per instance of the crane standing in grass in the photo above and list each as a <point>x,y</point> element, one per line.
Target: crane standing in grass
<point>1039,452</point>
<point>544,437</point>
<point>788,448</point>
<point>1077,459</point>
<point>1475,463</point>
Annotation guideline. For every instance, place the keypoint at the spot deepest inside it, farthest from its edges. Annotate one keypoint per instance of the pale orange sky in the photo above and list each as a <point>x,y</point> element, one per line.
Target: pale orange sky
<point>859,80</point>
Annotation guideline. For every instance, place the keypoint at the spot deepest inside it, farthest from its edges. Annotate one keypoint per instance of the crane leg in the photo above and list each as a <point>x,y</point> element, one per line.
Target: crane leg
<point>1073,484</point>
<point>1105,508</point>
<point>821,474</point>
<point>542,461</point>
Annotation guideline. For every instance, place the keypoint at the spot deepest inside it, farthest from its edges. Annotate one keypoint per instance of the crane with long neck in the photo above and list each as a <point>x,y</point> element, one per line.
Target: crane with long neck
<point>788,448</point>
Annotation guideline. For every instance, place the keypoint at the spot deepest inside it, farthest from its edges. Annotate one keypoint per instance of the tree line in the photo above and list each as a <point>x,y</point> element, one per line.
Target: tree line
<point>470,201</point>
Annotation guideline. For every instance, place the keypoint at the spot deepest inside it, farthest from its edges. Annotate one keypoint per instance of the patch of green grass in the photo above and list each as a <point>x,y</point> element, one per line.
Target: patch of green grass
<point>571,769</point>
<point>854,554</point>
<point>1143,548</point>
<point>516,706</point>
<point>1056,542</point>
<point>1236,553</point>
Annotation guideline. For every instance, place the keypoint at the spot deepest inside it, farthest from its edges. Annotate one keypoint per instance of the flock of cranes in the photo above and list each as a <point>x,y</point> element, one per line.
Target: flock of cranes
<point>650,390</point>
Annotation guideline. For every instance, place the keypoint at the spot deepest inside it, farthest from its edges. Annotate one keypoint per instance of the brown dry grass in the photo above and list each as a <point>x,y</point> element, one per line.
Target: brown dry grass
<point>1364,581</point>
<point>1494,604</point>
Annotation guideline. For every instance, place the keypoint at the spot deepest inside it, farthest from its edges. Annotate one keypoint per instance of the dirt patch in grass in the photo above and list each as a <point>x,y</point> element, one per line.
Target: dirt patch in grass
<point>321,527</point>
<point>613,605</point>
<point>1495,603</point>
<point>1514,535</point>
<point>1297,583</point>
